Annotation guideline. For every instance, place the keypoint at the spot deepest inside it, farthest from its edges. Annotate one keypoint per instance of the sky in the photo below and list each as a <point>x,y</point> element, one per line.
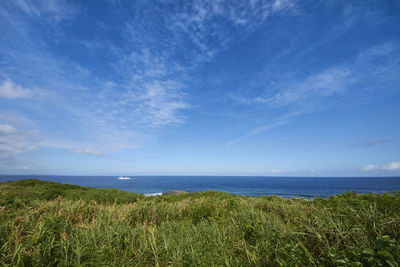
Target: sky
<point>270,87</point>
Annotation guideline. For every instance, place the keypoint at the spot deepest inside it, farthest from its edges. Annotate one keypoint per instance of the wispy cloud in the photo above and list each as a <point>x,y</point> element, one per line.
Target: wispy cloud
<point>57,10</point>
<point>14,142</point>
<point>371,70</point>
<point>144,81</point>
<point>393,166</point>
<point>378,65</point>
<point>280,89</point>
<point>115,114</point>
<point>200,21</point>
<point>10,90</point>
<point>157,71</point>
<point>260,129</point>
<point>86,151</point>
<point>151,93</point>
<point>372,142</point>
<point>316,86</point>
<point>371,167</point>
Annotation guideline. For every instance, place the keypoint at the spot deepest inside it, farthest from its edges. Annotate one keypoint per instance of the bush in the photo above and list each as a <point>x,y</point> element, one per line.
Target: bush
<point>45,223</point>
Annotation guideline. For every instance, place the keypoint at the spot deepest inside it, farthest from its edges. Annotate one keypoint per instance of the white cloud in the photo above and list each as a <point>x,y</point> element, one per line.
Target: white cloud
<point>276,171</point>
<point>371,69</point>
<point>75,147</point>
<point>393,166</point>
<point>279,5</point>
<point>7,129</point>
<point>280,121</point>
<point>372,142</point>
<point>371,167</point>
<point>14,142</point>
<point>316,86</point>
<point>57,10</point>
<point>149,92</point>
<point>155,73</point>
<point>86,151</point>
<point>17,136</point>
<point>10,90</point>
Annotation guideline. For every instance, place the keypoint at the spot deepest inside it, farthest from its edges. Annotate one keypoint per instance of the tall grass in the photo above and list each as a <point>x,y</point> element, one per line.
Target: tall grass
<point>48,224</point>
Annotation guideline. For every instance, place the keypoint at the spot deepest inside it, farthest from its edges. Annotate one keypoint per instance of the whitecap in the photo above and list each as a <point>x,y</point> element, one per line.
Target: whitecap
<point>153,194</point>
<point>124,178</point>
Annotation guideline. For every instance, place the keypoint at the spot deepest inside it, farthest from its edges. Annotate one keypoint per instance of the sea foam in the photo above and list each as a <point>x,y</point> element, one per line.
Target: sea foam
<point>153,194</point>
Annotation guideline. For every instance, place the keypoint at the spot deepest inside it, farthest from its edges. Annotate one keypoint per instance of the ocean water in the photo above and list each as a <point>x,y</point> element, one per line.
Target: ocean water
<point>306,187</point>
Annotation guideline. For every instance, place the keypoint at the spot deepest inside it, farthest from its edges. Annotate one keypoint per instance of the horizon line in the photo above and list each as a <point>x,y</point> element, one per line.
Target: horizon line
<point>208,175</point>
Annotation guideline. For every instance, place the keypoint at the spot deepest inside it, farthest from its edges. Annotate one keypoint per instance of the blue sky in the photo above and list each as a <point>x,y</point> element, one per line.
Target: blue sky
<point>278,87</point>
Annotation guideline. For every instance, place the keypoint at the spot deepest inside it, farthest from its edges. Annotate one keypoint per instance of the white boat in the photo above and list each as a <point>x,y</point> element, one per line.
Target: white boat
<point>123,178</point>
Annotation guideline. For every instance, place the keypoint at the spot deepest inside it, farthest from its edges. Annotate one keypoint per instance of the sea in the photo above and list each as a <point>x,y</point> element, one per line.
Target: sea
<point>303,187</point>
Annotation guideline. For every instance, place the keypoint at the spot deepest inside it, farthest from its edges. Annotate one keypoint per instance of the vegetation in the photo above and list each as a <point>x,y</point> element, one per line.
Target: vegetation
<point>47,224</point>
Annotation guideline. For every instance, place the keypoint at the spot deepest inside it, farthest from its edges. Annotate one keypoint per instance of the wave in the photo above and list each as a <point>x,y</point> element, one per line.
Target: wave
<point>153,194</point>
<point>124,178</point>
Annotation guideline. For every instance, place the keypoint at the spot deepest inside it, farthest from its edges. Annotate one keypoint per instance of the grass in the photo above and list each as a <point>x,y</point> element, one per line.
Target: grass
<point>51,224</point>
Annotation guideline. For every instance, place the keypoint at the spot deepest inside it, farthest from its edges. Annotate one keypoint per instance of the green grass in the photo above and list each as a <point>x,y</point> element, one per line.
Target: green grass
<point>48,224</point>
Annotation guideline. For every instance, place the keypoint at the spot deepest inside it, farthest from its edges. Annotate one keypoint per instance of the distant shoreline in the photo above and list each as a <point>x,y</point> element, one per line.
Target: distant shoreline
<point>180,183</point>
<point>52,223</point>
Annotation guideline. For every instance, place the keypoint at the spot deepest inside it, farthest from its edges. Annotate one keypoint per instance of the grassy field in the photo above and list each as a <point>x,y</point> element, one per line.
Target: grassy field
<point>48,224</point>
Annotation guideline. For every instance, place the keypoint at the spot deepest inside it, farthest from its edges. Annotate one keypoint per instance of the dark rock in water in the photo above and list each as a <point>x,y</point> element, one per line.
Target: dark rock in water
<point>174,193</point>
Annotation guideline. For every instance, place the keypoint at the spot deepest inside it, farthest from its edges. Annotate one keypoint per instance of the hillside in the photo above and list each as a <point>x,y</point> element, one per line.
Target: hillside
<point>47,224</point>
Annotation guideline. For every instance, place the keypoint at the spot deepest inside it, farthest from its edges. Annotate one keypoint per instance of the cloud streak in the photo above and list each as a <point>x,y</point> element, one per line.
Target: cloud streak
<point>260,129</point>
<point>14,142</point>
<point>372,142</point>
<point>376,66</point>
<point>123,79</point>
<point>149,85</point>
<point>393,166</point>
<point>57,10</point>
<point>10,90</point>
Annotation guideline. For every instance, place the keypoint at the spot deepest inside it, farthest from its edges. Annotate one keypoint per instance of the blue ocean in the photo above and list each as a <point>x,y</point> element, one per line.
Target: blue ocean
<point>305,187</point>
